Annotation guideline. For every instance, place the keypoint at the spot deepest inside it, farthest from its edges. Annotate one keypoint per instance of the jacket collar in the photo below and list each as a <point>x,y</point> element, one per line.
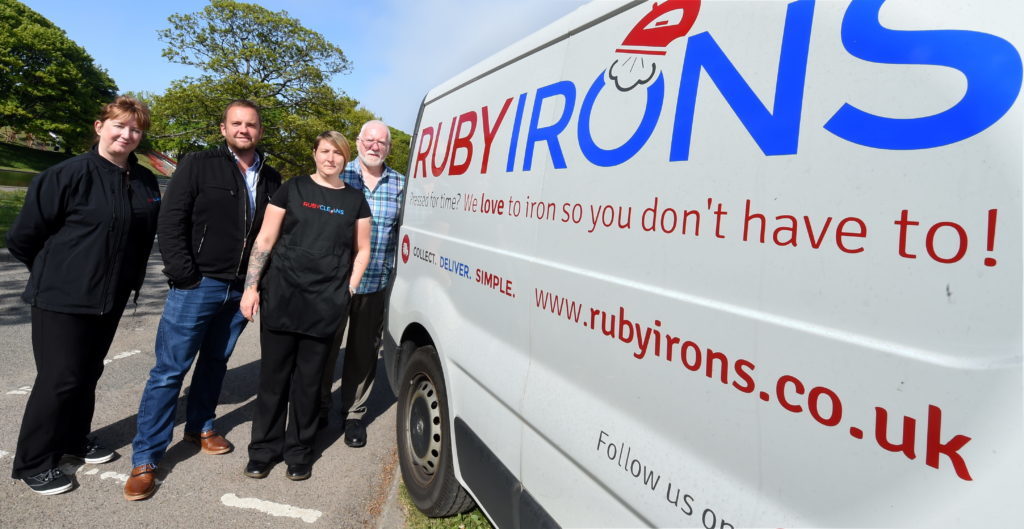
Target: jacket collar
<point>95,151</point>
<point>224,150</point>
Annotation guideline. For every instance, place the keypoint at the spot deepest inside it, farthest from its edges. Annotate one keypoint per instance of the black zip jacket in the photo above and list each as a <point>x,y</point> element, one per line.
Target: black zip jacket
<point>206,226</point>
<point>72,233</point>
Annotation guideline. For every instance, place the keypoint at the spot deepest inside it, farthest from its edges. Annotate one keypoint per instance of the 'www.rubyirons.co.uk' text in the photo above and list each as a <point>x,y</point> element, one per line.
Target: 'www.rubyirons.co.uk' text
<point>821,403</point>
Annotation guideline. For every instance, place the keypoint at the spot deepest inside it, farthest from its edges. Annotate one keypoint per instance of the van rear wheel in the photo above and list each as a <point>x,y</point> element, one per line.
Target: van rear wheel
<point>424,438</point>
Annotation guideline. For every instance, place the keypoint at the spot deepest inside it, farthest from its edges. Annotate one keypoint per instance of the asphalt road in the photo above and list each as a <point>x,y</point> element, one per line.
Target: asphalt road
<point>349,487</point>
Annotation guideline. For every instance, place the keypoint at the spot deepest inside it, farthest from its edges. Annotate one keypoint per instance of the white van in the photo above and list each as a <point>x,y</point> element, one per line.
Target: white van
<point>721,264</point>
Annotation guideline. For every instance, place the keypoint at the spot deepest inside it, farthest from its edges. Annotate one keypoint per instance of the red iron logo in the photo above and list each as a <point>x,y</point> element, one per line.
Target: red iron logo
<point>667,22</point>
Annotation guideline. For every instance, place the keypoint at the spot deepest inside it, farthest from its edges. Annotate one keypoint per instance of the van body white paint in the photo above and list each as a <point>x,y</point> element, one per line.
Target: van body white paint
<point>749,248</point>
<point>271,508</point>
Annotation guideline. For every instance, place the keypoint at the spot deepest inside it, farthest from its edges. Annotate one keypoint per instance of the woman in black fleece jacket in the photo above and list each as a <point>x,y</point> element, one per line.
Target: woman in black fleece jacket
<point>85,233</point>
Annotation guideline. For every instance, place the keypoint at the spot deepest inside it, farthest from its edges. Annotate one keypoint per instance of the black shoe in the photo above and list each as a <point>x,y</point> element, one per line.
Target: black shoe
<point>355,433</point>
<point>52,481</point>
<point>93,453</point>
<point>257,469</point>
<point>299,471</point>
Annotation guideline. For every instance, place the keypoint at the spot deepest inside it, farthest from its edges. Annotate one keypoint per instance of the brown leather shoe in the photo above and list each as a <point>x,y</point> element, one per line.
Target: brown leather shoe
<point>210,442</point>
<point>141,484</point>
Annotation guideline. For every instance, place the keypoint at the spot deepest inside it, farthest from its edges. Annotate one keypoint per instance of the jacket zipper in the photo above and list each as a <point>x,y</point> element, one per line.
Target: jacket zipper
<point>202,239</point>
<point>118,203</point>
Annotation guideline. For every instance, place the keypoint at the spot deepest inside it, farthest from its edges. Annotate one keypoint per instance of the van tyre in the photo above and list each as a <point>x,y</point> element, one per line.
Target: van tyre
<point>424,438</point>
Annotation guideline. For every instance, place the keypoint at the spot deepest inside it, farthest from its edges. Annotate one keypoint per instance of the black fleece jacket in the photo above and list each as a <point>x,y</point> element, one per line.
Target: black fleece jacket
<point>73,234</point>
<point>206,225</point>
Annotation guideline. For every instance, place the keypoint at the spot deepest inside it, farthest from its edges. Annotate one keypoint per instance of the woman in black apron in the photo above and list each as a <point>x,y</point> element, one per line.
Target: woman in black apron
<point>319,231</point>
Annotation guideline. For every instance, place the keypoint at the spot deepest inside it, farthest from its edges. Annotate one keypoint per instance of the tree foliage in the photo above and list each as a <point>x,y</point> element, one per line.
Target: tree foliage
<point>248,52</point>
<point>276,53</point>
<point>47,82</point>
<point>187,117</point>
<point>398,159</point>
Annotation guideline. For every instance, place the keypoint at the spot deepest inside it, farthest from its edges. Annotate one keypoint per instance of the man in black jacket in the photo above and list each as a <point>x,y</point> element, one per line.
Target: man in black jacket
<point>211,213</point>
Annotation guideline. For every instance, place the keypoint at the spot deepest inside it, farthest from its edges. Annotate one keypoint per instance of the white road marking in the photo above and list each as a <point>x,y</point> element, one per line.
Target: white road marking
<point>4,454</point>
<point>119,356</point>
<point>25,390</point>
<point>123,478</point>
<point>271,508</point>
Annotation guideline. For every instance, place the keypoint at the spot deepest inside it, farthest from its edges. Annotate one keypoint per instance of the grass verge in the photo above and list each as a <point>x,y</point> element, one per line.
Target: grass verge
<point>26,158</point>
<point>15,178</point>
<point>10,205</point>
<point>18,164</point>
<point>414,519</point>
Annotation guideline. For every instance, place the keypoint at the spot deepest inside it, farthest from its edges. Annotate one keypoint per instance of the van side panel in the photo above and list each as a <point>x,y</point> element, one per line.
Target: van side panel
<point>734,263</point>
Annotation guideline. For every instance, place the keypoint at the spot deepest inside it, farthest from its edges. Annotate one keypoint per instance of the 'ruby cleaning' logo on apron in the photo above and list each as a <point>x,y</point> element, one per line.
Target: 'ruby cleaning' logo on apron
<point>321,207</point>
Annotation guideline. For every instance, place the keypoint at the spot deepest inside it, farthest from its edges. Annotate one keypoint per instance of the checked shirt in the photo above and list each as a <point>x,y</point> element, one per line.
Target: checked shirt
<point>385,202</point>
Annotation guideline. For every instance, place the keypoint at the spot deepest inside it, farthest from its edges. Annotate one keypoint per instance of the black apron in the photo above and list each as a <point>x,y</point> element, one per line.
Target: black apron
<point>305,288</point>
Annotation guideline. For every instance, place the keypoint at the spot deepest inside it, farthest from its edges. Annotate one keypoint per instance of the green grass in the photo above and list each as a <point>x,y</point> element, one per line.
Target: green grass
<point>10,205</point>
<point>16,178</point>
<point>16,159</point>
<point>414,519</point>
<point>20,157</point>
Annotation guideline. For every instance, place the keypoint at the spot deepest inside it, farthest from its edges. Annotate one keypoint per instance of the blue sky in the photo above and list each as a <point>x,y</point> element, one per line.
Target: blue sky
<point>399,48</point>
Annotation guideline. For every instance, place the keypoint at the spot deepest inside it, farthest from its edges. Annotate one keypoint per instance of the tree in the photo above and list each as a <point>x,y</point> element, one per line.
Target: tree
<point>186,119</point>
<point>234,40</point>
<point>47,82</point>
<point>398,159</point>
<point>248,52</point>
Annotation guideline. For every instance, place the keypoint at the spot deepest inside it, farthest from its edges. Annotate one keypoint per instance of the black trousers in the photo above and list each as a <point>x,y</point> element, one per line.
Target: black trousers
<point>288,401</point>
<point>69,351</point>
<point>365,327</point>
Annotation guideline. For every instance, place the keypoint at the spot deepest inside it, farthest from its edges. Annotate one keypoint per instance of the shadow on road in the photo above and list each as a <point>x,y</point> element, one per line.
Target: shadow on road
<point>13,276</point>
<point>240,382</point>
<point>240,386</point>
<point>381,398</point>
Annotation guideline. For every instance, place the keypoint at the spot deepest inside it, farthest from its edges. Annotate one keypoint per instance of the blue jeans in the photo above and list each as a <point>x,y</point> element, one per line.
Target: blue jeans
<point>203,320</point>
